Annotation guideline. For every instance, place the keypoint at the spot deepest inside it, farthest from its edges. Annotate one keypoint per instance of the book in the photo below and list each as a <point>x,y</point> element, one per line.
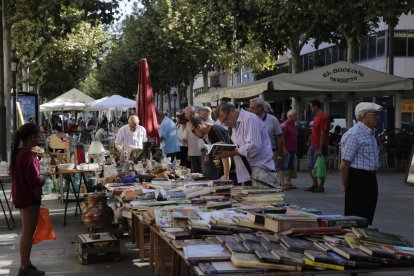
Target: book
<point>324,265</point>
<point>251,260</point>
<point>199,252</point>
<point>287,257</point>
<point>252,246</point>
<point>266,256</point>
<point>179,244</point>
<point>216,205</point>
<point>297,245</point>
<point>352,241</point>
<point>319,256</point>
<point>352,263</point>
<point>342,221</point>
<point>377,251</point>
<point>270,237</point>
<point>271,245</point>
<point>301,231</point>
<point>336,239</point>
<point>250,237</point>
<point>225,268</point>
<point>350,253</point>
<point>371,235</point>
<point>400,250</point>
<point>214,148</point>
<point>244,222</point>
<point>281,222</point>
<point>234,246</point>
<point>180,235</point>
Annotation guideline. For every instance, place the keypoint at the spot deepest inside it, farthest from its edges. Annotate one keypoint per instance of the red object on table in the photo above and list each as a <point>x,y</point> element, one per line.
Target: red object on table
<point>80,156</point>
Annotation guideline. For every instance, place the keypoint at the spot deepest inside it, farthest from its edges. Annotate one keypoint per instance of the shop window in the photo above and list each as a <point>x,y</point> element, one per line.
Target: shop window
<point>410,46</point>
<point>400,46</point>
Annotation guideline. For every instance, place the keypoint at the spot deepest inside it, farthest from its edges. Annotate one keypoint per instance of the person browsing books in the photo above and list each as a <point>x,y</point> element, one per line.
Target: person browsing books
<point>217,168</point>
<point>359,162</point>
<point>253,157</point>
<point>130,137</point>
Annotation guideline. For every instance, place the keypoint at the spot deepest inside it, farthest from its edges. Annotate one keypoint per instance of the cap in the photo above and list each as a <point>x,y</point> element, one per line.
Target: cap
<point>365,107</point>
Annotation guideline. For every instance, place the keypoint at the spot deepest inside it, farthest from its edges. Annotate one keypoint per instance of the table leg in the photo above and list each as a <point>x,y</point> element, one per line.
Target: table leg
<point>76,194</point>
<point>156,254</point>
<point>151,249</point>
<point>66,203</point>
<point>175,264</point>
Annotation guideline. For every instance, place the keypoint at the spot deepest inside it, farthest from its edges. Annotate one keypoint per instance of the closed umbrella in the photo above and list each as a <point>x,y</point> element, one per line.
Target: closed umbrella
<point>145,103</point>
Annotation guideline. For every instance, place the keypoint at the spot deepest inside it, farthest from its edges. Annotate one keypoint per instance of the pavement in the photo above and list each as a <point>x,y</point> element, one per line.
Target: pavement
<point>394,214</point>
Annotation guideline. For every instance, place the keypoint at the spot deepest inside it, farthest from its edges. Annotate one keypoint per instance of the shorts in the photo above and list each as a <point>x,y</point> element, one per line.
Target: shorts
<point>288,162</point>
<point>35,201</point>
<point>311,157</point>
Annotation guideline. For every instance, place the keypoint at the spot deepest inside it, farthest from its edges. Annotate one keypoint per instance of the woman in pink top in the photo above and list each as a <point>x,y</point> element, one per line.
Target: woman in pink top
<point>26,190</point>
<point>288,162</point>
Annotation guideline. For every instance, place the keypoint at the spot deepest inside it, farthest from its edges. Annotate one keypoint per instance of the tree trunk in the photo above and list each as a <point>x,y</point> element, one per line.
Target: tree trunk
<point>161,101</point>
<point>391,28</point>
<point>350,50</point>
<point>190,91</point>
<point>3,117</point>
<point>205,79</point>
<point>170,110</point>
<point>295,60</point>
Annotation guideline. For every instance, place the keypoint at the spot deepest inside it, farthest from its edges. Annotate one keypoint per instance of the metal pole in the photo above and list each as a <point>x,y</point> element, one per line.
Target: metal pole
<point>14,102</point>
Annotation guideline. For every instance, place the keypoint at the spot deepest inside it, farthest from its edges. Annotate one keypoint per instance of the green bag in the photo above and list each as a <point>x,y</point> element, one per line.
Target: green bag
<point>319,171</point>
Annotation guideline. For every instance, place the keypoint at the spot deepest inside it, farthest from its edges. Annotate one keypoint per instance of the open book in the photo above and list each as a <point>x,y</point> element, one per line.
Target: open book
<point>214,148</point>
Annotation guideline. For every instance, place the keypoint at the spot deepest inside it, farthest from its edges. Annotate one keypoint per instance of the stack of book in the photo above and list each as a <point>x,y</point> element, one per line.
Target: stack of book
<point>270,195</point>
<point>281,222</point>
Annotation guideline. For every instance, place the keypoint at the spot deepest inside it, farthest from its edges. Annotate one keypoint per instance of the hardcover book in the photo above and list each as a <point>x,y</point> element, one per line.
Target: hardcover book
<point>297,245</point>
<point>234,246</point>
<point>342,221</point>
<point>377,251</point>
<point>225,268</point>
<point>371,235</point>
<point>251,260</point>
<point>250,237</point>
<point>323,265</point>
<point>266,256</point>
<point>214,148</point>
<point>199,252</point>
<point>400,250</point>
<point>351,254</point>
<point>306,231</point>
<point>352,263</point>
<point>252,246</point>
<point>319,256</point>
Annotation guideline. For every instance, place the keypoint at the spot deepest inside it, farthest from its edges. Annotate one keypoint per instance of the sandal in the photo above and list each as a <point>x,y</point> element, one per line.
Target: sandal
<point>318,190</point>
<point>310,189</point>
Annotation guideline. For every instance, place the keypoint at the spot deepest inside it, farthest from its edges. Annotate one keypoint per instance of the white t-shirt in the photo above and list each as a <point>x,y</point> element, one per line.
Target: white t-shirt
<point>131,139</point>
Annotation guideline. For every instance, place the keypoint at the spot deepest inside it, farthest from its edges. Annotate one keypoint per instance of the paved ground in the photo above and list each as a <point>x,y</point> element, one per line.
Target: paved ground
<point>395,214</point>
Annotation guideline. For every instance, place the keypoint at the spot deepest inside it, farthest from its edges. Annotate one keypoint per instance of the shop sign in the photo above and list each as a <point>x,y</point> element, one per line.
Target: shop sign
<point>407,105</point>
<point>343,75</point>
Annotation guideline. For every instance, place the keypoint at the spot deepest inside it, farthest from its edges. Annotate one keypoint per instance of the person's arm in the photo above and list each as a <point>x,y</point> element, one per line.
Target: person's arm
<point>344,171</point>
<point>226,168</point>
<point>324,132</point>
<point>118,144</point>
<point>252,137</point>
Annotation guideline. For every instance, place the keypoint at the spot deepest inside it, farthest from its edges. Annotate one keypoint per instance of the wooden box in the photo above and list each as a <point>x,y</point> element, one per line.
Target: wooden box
<point>106,248</point>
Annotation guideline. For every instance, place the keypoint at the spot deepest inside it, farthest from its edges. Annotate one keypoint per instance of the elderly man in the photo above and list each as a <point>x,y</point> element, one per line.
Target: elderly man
<point>359,153</point>
<point>205,114</point>
<point>169,136</point>
<point>253,157</point>
<point>194,151</point>
<point>130,137</point>
<point>288,162</point>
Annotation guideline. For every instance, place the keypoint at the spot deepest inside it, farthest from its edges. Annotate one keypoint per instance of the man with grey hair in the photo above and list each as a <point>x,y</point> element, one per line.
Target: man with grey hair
<point>257,106</point>
<point>130,137</point>
<point>288,162</point>
<point>253,156</point>
<point>194,151</point>
<point>359,162</point>
<point>205,114</point>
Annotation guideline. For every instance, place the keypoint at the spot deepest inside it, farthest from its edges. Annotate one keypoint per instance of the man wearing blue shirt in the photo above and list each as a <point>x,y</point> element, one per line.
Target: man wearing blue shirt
<point>359,153</point>
<point>169,136</point>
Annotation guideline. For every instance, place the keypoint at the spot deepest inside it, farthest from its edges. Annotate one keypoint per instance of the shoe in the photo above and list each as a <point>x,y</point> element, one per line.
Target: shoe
<point>31,270</point>
<point>310,189</point>
<point>318,190</point>
<point>289,187</point>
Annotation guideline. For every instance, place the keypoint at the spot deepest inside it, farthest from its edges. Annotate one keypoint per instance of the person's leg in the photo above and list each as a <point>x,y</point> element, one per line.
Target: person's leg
<point>311,163</point>
<point>29,216</point>
<point>290,168</point>
<point>325,154</point>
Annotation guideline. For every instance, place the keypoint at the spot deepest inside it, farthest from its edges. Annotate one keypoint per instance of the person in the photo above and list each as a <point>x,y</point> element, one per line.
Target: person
<point>217,168</point>
<point>257,106</point>
<point>131,136</point>
<point>102,132</point>
<point>182,136</point>
<point>205,114</point>
<point>253,157</point>
<point>194,151</point>
<point>288,162</point>
<point>318,144</point>
<point>26,190</point>
<point>359,162</point>
<point>335,137</point>
<point>170,144</point>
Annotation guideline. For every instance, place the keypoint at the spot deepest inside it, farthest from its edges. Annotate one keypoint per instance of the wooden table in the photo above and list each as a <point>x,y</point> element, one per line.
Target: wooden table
<point>9,219</point>
<point>140,231</point>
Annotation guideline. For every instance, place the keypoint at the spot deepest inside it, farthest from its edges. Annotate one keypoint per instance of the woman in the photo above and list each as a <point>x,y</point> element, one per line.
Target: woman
<point>182,136</point>
<point>26,190</point>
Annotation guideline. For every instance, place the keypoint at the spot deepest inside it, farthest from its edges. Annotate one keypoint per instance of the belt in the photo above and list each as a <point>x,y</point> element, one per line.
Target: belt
<point>363,171</point>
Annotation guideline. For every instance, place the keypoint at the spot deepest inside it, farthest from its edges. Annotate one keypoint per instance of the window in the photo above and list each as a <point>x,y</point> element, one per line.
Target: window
<point>310,62</point>
<point>410,44</point>
<point>356,54</point>
<point>400,46</point>
<point>364,50</point>
<point>341,54</point>
<point>381,47</point>
<point>372,47</point>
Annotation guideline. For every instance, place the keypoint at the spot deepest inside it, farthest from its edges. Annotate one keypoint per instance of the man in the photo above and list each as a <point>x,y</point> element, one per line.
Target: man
<point>288,162</point>
<point>217,168</point>
<point>130,137</point>
<point>257,106</point>
<point>205,114</point>
<point>194,151</point>
<point>253,157</point>
<point>169,135</point>
<point>318,144</point>
<point>359,153</point>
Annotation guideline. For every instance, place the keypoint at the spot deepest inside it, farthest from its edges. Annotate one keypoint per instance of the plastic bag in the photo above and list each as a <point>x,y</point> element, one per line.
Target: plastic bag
<point>44,229</point>
<point>319,170</point>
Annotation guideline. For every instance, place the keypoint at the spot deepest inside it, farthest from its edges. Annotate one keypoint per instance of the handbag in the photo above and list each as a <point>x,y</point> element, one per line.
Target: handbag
<point>44,229</point>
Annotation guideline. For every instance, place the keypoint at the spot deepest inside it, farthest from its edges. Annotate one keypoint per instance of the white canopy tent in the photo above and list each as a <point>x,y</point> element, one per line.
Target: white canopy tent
<point>112,102</point>
<point>71,100</point>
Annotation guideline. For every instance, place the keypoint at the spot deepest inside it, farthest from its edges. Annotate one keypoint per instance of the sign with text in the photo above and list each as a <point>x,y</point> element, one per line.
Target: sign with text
<point>343,74</point>
<point>407,105</point>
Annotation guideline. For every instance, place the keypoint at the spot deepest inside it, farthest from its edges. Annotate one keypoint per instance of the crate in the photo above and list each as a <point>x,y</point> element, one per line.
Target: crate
<point>106,248</point>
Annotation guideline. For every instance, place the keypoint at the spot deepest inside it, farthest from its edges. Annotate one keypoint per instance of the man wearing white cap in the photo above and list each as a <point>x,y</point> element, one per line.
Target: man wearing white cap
<point>359,153</point>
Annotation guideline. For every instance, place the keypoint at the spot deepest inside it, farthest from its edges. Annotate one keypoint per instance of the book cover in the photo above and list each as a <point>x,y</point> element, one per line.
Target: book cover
<point>250,237</point>
<point>181,235</point>
<point>252,246</point>
<point>351,254</point>
<point>265,256</point>
<point>342,221</point>
<point>244,222</point>
<point>352,263</point>
<point>324,265</point>
<point>400,250</point>
<point>352,241</point>
<point>319,256</point>
<point>306,231</point>
<point>234,246</point>
<point>179,244</point>
<point>214,148</point>
<point>282,225</point>
<point>297,245</point>
<point>206,252</point>
<point>288,257</point>
<point>377,251</point>
<point>371,235</point>
<point>271,245</point>
<point>251,260</point>
<point>225,268</point>
<point>270,237</point>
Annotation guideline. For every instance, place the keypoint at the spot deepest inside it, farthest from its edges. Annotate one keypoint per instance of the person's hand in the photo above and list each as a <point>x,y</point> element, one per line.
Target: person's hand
<point>184,141</point>
<point>226,153</point>
<point>205,159</point>
<point>122,157</point>
<point>319,152</point>
<point>224,177</point>
<point>285,151</point>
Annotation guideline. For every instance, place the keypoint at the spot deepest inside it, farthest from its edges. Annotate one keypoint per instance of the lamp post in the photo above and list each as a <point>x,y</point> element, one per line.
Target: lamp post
<point>14,66</point>
<point>174,96</point>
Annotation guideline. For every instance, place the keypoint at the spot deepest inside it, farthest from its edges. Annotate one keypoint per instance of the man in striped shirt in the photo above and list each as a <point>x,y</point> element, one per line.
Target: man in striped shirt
<point>253,157</point>
<point>359,153</point>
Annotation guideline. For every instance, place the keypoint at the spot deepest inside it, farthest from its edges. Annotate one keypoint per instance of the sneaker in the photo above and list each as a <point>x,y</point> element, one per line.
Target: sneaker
<point>31,270</point>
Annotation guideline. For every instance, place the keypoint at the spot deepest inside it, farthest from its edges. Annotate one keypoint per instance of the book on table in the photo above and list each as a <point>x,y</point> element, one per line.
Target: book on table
<point>323,265</point>
<point>342,221</point>
<point>306,231</point>
<point>251,260</point>
<point>281,222</point>
<point>350,253</point>
<point>199,252</point>
<point>226,268</point>
<point>214,148</point>
<point>372,235</point>
<point>400,250</point>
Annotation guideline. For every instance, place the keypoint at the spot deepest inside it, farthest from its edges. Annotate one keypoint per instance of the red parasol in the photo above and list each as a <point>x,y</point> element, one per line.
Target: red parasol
<point>145,103</point>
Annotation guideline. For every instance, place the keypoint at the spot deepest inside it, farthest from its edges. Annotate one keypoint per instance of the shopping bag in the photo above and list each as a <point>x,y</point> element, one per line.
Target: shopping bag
<point>319,170</point>
<point>44,229</point>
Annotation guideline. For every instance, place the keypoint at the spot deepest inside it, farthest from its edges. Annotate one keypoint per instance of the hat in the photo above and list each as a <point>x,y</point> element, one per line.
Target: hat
<point>365,107</point>
<point>204,108</point>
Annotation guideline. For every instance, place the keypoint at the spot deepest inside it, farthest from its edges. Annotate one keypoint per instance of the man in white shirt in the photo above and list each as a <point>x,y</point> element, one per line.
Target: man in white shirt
<point>130,137</point>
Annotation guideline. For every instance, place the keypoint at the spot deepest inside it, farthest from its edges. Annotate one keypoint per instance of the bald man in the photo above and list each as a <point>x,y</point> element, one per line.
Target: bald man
<point>130,137</point>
